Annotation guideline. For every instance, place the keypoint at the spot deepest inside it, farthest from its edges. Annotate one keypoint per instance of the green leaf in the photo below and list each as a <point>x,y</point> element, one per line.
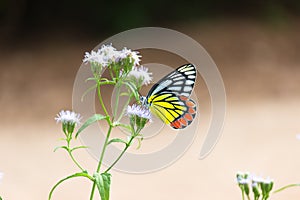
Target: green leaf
<point>62,139</point>
<point>79,147</point>
<point>107,83</point>
<point>122,125</point>
<point>116,140</point>
<point>124,94</point>
<point>133,89</point>
<point>104,79</point>
<point>89,121</point>
<point>103,184</point>
<point>91,79</point>
<point>61,147</point>
<point>87,91</point>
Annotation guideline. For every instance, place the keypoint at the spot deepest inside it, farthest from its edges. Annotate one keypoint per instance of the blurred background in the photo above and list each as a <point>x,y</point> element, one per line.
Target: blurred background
<point>255,44</point>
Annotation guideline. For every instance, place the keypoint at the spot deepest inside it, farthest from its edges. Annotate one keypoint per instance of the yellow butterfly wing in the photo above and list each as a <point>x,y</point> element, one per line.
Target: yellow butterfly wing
<point>169,98</point>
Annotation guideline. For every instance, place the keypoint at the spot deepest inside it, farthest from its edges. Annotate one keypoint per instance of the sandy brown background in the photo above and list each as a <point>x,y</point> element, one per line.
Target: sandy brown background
<point>260,65</point>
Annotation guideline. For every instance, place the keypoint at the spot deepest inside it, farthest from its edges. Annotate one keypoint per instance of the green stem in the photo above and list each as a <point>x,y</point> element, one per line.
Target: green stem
<point>100,98</point>
<point>122,153</point>
<point>76,163</point>
<point>71,155</point>
<point>101,158</point>
<point>68,177</point>
<point>117,99</point>
<point>107,136</point>
<point>125,107</point>
<point>248,197</point>
<point>243,195</point>
<point>285,187</point>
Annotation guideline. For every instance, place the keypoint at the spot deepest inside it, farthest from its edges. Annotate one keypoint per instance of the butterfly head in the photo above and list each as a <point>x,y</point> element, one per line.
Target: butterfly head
<point>143,101</point>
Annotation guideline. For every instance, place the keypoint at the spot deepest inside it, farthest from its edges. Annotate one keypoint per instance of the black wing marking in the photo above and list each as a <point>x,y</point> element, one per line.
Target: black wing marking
<point>180,82</point>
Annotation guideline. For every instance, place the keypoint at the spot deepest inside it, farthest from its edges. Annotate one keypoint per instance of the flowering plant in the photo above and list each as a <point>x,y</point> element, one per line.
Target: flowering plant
<point>260,187</point>
<point>124,71</point>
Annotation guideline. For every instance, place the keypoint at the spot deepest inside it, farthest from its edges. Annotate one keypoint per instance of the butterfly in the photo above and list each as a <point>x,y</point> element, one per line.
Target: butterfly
<point>169,99</point>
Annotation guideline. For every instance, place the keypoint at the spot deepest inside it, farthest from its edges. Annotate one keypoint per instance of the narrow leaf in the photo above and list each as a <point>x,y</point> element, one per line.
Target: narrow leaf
<point>61,147</point>
<point>133,89</point>
<point>91,79</point>
<point>87,91</point>
<point>79,147</point>
<point>89,121</point>
<point>116,140</point>
<point>103,184</point>
<point>124,94</point>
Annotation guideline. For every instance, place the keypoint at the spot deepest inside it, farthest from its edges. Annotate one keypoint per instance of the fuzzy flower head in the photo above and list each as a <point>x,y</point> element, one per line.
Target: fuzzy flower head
<point>139,116</point>
<point>95,58</point>
<point>68,119</point>
<point>243,181</point>
<point>140,75</point>
<point>260,186</point>
<point>109,56</point>
<point>139,111</point>
<point>133,56</point>
<point>103,56</point>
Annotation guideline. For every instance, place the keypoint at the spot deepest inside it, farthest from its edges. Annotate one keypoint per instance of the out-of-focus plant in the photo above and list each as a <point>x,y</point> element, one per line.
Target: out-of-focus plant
<point>258,187</point>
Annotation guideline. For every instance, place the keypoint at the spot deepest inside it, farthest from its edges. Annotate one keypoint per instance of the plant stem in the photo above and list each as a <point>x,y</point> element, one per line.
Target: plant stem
<point>101,158</point>
<point>248,197</point>
<point>117,99</point>
<point>68,177</point>
<point>119,157</point>
<point>285,187</point>
<point>70,153</point>
<point>107,136</point>
<point>243,195</point>
<point>100,98</point>
<point>76,163</point>
<point>125,107</point>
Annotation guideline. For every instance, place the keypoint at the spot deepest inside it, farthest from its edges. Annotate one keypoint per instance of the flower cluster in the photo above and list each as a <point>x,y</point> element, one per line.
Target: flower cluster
<point>140,75</point>
<point>139,116</point>
<point>108,56</point>
<point>261,187</point>
<point>69,120</point>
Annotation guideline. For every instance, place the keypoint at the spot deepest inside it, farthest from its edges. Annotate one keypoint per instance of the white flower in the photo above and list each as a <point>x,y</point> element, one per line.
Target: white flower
<point>109,53</point>
<point>139,111</point>
<point>254,185</point>
<point>141,73</point>
<point>103,56</point>
<point>95,56</point>
<point>243,181</point>
<point>68,117</point>
<point>133,55</point>
<point>268,180</point>
<point>257,179</point>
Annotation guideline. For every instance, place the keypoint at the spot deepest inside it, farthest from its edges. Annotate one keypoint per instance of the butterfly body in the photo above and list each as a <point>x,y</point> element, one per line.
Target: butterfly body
<point>169,98</point>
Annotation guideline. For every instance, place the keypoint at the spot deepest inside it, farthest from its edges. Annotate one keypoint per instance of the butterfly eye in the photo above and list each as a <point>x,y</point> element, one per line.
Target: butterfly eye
<point>143,100</point>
